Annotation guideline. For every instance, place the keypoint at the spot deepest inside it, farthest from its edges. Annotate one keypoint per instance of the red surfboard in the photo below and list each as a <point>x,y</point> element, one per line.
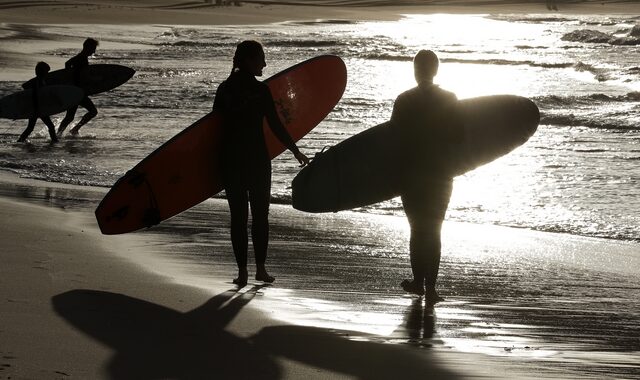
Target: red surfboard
<point>186,170</point>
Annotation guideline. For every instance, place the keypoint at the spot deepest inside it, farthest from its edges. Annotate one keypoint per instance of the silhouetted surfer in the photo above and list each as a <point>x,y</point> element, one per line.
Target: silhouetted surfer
<point>42,69</point>
<point>77,64</point>
<point>424,122</point>
<point>244,103</point>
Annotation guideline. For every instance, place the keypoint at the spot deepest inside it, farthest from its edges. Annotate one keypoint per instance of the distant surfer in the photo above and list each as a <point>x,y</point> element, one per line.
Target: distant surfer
<point>244,103</point>
<point>422,118</point>
<point>77,64</point>
<point>42,68</point>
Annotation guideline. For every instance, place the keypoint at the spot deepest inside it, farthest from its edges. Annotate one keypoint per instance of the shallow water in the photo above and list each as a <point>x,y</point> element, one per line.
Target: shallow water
<point>579,173</point>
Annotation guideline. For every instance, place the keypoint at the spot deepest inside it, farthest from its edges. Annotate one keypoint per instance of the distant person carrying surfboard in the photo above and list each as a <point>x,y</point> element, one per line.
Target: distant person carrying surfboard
<point>42,68</point>
<point>422,121</point>
<point>244,103</point>
<point>77,64</point>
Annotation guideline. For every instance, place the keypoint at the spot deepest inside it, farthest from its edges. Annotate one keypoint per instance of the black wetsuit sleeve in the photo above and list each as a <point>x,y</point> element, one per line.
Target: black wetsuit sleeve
<point>34,95</point>
<point>76,64</point>
<point>402,121</point>
<point>401,113</point>
<point>70,63</point>
<point>217,99</point>
<point>275,124</point>
<point>455,130</point>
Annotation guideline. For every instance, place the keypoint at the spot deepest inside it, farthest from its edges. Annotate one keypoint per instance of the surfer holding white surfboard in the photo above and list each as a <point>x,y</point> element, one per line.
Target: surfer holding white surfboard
<point>417,121</point>
<point>77,64</point>
<point>244,103</point>
<point>42,68</point>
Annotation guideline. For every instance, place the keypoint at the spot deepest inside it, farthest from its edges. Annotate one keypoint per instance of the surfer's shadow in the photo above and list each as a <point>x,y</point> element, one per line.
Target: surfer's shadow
<point>419,326</point>
<point>152,341</point>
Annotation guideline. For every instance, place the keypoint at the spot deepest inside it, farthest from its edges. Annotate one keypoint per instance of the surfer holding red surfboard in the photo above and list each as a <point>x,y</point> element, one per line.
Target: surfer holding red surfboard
<point>244,102</point>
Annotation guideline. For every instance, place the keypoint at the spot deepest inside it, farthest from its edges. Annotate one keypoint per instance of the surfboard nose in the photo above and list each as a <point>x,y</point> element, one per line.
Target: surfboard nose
<point>529,113</point>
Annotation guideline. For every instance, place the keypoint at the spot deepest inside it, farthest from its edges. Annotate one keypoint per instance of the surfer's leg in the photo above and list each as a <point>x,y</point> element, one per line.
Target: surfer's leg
<point>52,128</point>
<point>30,125</point>
<point>259,197</point>
<point>68,118</point>
<point>415,285</point>
<point>431,219</point>
<point>92,112</point>
<point>239,210</point>
<point>431,248</point>
<point>426,205</point>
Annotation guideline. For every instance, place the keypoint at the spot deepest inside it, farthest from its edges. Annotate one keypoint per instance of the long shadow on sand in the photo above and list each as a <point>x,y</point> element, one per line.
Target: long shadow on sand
<point>152,342</point>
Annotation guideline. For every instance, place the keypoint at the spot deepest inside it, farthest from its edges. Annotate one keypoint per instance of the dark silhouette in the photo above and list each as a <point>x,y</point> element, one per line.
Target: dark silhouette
<point>151,341</point>
<point>244,103</point>
<point>360,355</point>
<point>420,323</point>
<point>42,68</point>
<point>425,125</point>
<point>77,64</point>
<point>155,342</point>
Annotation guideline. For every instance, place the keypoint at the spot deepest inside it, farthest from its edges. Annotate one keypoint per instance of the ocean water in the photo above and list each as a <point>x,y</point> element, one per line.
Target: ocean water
<point>579,174</point>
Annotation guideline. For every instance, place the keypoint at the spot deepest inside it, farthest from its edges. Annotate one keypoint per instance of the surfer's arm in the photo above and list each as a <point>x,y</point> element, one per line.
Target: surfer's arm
<point>455,130</point>
<point>280,131</point>
<point>34,98</point>
<point>36,87</point>
<point>400,113</point>
<point>217,99</point>
<point>276,125</point>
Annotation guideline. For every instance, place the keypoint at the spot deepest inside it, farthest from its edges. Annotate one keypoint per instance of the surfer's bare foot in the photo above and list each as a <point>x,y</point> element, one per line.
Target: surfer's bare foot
<point>240,281</point>
<point>74,132</point>
<point>242,278</point>
<point>412,287</point>
<point>262,275</point>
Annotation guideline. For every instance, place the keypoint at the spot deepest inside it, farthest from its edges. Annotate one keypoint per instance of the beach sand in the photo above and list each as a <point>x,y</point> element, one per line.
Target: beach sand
<point>160,303</point>
<point>78,304</point>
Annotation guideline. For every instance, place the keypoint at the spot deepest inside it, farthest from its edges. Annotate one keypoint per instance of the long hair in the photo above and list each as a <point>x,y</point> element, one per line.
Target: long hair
<point>245,50</point>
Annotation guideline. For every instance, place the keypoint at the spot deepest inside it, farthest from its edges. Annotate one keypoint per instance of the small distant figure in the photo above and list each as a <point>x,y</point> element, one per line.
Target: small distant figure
<point>244,103</point>
<point>42,68</point>
<point>77,64</point>
<point>424,121</point>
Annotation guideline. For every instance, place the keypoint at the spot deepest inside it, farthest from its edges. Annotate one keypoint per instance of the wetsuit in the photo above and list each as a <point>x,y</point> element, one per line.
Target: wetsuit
<point>37,84</point>
<point>244,103</point>
<point>77,64</point>
<point>424,122</point>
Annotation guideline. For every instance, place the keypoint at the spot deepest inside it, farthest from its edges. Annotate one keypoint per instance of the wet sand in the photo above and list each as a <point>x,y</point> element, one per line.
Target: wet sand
<point>520,304</point>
